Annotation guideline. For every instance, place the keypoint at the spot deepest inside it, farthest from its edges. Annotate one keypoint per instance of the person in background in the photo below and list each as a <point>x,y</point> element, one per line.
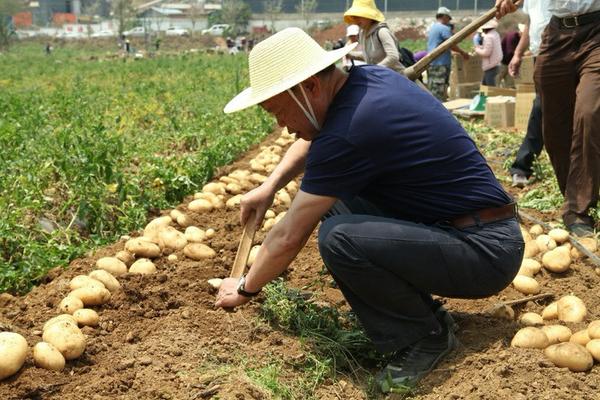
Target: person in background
<point>509,44</point>
<point>490,52</point>
<point>438,74</point>
<point>567,75</point>
<point>377,40</point>
<point>539,16</point>
<point>48,49</point>
<point>352,32</point>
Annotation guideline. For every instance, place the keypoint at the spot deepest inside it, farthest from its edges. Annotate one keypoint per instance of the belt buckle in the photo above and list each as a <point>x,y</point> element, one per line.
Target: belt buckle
<point>575,22</point>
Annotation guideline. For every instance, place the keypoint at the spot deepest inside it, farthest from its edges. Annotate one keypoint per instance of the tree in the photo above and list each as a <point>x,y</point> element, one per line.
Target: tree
<point>273,10</point>
<point>237,14</point>
<point>8,8</point>
<point>122,11</point>
<point>306,8</point>
<point>195,12</point>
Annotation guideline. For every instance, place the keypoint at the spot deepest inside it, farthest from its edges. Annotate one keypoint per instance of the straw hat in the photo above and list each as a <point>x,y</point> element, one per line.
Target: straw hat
<point>491,24</point>
<point>280,62</point>
<point>363,8</point>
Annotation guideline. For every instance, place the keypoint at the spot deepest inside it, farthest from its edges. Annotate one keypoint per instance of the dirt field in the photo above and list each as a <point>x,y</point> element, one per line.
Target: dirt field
<point>162,338</point>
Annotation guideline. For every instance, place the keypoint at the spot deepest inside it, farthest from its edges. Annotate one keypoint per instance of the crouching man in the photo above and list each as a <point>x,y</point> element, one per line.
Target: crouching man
<point>408,205</point>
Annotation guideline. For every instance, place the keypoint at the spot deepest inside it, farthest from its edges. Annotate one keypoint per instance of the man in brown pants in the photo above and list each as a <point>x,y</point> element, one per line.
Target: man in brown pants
<point>567,73</point>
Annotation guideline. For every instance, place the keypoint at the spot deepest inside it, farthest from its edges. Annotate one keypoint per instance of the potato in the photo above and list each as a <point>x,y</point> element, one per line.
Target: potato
<point>545,243</point>
<point>531,319</point>
<point>557,333</point>
<point>559,235</point>
<point>240,174</point>
<point>67,338</point>
<point>570,355</point>
<point>536,230</point>
<point>270,214</point>
<point>580,337</point>
<point>557,260</point>
<point>526,285</point>
<point>84,281</point>
<point>126,257</point>
<point>210,232</point>
<point>530,338</point>
<point>256,166</point>
<point>531,249</point>
<point>233,188</point>
<point>234,202</point>
<point>91,296</point>
<point>503,312</point>
<point>550,311</point>
<point>174,214</point>
<point>198,251</point>
<point>69,305</point>
<point>172,258</point>
<point>283,197</point>
<point>589,243</point>
<point>86,317</point>
<point>529,267</point>
<point>194,234</point>
<point>171,238</point>
<point>109,281</point>
<point>154,227</point>
<point>141,248</point>
<point>214,199</point>
<point>268,224</point>
<point>252,256</point>
<point>48,357</point>
<point>571,309</point>
<point>593,346</point>
<point>215,282</point>
<point>593,330</point>
<point>142,266</point>
<point>13,351</point>
<point>227,180</point>
<point>292,188</point>
<point>112,265</point>
<point>184,221</point>
<point>214,187</point>
<point>200,205</point>
<point>525,234</point>
<point>68,318</point>
<point>257,178</point>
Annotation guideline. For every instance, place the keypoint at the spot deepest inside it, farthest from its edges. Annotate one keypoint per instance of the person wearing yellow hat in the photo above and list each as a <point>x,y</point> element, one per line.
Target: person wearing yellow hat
<point>408,205</point>
<point>376,39</point>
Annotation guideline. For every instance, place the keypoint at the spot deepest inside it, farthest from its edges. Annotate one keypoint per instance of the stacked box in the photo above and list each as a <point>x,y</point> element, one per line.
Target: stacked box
<point>491,91</point>
<point>500,111</point>
<point>524,104</point>
<point>526,71</point>
<point>465,76</point>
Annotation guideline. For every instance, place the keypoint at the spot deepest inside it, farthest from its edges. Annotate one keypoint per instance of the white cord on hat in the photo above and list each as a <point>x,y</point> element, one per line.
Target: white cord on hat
<point>310,114</point>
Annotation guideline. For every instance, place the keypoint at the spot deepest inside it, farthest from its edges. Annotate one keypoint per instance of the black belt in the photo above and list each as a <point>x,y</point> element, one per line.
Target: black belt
<point>578,20</point>
<point>485,216</point>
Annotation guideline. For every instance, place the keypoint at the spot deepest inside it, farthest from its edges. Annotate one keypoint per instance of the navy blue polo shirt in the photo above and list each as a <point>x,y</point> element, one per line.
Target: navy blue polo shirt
<point>392,143</point>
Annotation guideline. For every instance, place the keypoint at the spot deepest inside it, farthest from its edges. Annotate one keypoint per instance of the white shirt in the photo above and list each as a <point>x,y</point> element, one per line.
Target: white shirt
<point>539,16</point>
<point>570,8</point>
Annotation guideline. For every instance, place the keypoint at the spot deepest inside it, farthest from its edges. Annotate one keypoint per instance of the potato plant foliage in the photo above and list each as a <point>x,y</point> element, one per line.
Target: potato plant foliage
<point>91,146</point>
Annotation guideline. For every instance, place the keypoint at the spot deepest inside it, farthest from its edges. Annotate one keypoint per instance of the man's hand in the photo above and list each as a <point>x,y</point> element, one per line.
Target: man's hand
<point>504,7</point>
<point>257,200</point>
<point>228,296</point>
<point>514,66</point>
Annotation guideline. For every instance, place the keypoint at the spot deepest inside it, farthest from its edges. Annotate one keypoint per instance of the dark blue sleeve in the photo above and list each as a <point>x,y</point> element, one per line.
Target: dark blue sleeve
<point>336,168</point>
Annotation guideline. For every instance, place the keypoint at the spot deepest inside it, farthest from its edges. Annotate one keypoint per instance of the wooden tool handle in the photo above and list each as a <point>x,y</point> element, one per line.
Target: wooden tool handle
<point>241,258</point>
<point>414,71</point>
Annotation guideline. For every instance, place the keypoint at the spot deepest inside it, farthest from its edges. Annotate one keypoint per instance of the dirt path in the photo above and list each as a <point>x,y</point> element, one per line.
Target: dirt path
<point>162,338</point>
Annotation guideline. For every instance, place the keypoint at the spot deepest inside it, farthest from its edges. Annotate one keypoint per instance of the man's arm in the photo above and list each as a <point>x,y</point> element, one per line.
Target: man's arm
<point>515,62</point>
<point>504,7</point>
<point>280,247</point>
<point>464,54</point>
<point>261,198</point>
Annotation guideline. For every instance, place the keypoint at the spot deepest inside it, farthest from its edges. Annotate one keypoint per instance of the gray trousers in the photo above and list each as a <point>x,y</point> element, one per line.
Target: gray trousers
<point>388,269</point>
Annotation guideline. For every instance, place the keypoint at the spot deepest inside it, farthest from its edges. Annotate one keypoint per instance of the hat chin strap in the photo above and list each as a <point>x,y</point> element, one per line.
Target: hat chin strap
<point>310,114</point>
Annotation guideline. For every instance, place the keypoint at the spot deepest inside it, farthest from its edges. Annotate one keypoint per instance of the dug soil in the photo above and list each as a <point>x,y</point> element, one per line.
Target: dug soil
<point>161,337</point>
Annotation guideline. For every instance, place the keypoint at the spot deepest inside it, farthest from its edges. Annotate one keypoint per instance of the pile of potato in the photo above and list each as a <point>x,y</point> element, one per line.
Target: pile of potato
<point>576,351</point>
<point>554,251</point>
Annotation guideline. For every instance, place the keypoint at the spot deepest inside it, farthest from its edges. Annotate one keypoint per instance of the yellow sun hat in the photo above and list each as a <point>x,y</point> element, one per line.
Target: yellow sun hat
<point>280,62</point>
<point>363,8</point>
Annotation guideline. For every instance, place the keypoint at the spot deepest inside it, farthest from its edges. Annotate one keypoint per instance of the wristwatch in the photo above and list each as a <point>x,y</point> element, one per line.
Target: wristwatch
<point>242,291</point>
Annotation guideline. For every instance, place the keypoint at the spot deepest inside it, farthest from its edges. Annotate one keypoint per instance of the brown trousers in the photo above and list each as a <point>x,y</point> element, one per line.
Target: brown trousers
<point>567,73</point>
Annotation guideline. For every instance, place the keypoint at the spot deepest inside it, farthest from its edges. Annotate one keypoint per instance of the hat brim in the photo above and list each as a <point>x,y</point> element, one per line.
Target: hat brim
<point>249,97</point>
<point>360,11</point>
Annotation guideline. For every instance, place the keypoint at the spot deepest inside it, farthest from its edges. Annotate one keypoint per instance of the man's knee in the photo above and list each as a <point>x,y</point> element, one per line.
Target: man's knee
<point>335,241</point>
